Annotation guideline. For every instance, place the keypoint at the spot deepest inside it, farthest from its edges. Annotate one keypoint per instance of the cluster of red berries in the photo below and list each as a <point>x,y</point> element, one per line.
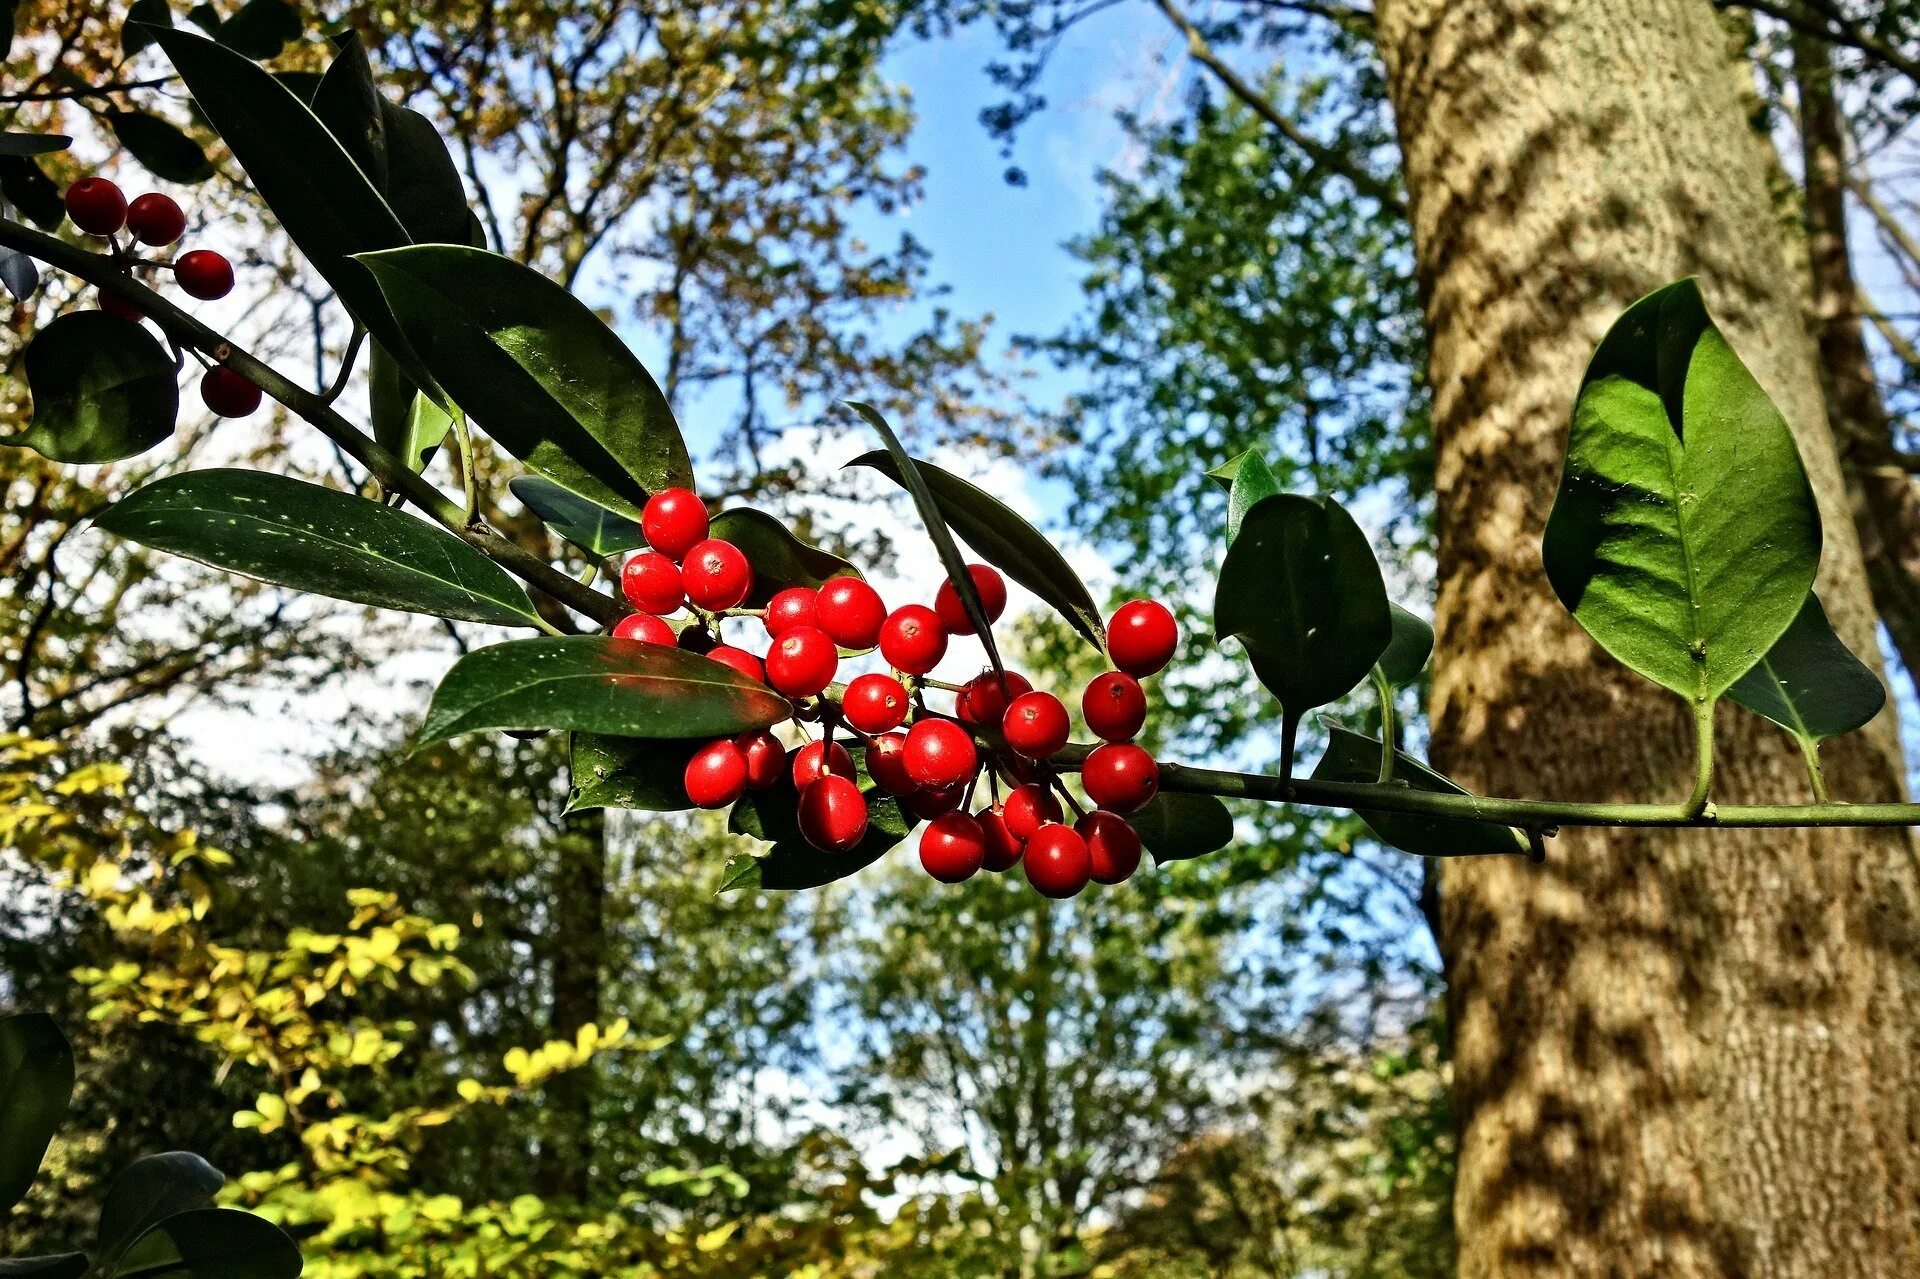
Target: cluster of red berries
<point>931,761</point>
<point>98,207</point>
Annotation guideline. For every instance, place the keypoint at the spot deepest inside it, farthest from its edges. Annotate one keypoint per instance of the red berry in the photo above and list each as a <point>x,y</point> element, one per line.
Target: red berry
<point>1141,637</point>
<point>851,612</point>
<point>929,803</point>
<point>644,627</point>
<point>740,659</point>
<point>204,274</point>
<point>983,699</point>
<point>716,575</point>
<point>96,206</point>
<point>987,584</point>
<point>717,774</point>
<point>814,761</point>
<point>887,764</point>
<point>1120,777</point>
<point>1057,860</point>
<point>940,753</point>
<point>114,304</point>
<point>766,758</point>
<point>792,608</point>
<point>227,393</point>
<point>1028,808</point>
<point>155,219</point>
<point>875,703</point>
<point>1036,725</point>
<point>674,521</point>
<point>952,847</point>
<point>651,583</point>
<point>833,814</point>
<point>1112,843</point>
<point>912,640</point>
<point>802,662</point>
<point>1003,847</point>
<point>1114,706</point>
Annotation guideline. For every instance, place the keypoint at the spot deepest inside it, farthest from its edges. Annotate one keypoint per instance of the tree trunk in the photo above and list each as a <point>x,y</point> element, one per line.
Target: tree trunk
<point>1675,1053</point>
<point>577,944</point>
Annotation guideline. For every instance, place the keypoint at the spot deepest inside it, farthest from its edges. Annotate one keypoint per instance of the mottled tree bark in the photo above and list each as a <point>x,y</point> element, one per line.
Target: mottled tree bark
<point>1676,1054</point>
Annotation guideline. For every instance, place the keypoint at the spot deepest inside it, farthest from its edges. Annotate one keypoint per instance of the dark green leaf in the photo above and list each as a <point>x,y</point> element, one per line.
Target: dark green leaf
<point>408,424</point>
<point>1809,683</point>
<point>31,191</point>
<point>398,149</point>
<point>1004,540</point>
<point>1351,757</point>
<point>296,534</point>
<point>779,558</point>
<point>261,28</point>
<point>213,1243</point>
<point>161,147</point>
<point>36,1082</point>
<point>596,684</point>
<point>1685,536</point>
<point>206,17</point>
<point>33,143</point>
<point>1175,827</point>
<point>1248,480</point>
<point>1408,650</point>
<point>9,15</point>
<point>65,1265</point>
<point>103,389</point>
<point>151,1189</point>
<point>588,525</point>
<point>792,863</point>
<point>630,772</point>
<point>1302,592</point>
<point>301,84</point>
<point>142,14</point>
<point>539,370</point>
<point>20,274</point>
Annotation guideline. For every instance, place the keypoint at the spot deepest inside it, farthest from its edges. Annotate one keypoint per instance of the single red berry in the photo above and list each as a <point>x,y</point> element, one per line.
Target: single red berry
<point>1003,847</point>
<point>887,764</point>
<point>204,274</point>
<point>1036,724</point>
<point>983,699</point>
<point>790,609</point>
<point>814,761</point>
<point>851,612</point>
<point>155,219</point>
<point>1058,863</point>
<point>940,753</point>
<point>912,639</point>
<point>1120,777</point>
<point>833,814</point>
<point>228,393</point>
<point>1141,637</point>
<point>1028,808</point>
<point>114,304</point>
<point>96,206</point>
<point>644,627</point>
<point>740,659</point>
<point>651,583</point>
<point>674,521</point>
<point>766,758</point>
<point>802,662</point>
<point>987,584</point>
<point>875,703</point>
<point>716,575</point>
<point>1112,843</point>
<point>930,802</point>
<point>717,774</point>
<point>1114,707</point>
<point>952,847</point>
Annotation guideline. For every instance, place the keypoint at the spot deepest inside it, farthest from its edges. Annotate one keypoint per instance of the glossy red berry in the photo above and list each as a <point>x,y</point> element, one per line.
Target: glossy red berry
<point>791,609</point>
<point>155,219</point>
<point>833,814</point>
<point>875,703</point>
<point>204,274</point>
<point>674,521</point>
<point>912,639</point>
<point>814,761</point>
<point>887,764</point>
<point>1035,724</point>
<point>1057,861</point>
<point>1141,637</point>
<point>651,583</point>
<point>1114,706</point>
<point>716,575</point>
<point>802,662</point>
<point>766,757</point>
<point>940,753</point>
<point>1028,808</point>
<point>114,304</point>
<point>96,206</point>
<point>984,698</point>
<point>987,584</point>
<point>227,393</point>
<point>646,628</point>
<point>930,802</point>
<point>740,660</point>
<point>1120,777</point>
<point>717,774</point>
<point>1003,847</point>
<point>851,612</point>
<point>1113,846</point>
<point>952,847</point>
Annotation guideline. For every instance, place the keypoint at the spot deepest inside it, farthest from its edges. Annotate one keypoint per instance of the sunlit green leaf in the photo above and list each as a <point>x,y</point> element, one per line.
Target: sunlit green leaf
<point>1408,650</point>
<point>779,558</point>
<point>1248,480</point>
<point>772,815</point>
<point>648,774</point>
<point>1175,827</point>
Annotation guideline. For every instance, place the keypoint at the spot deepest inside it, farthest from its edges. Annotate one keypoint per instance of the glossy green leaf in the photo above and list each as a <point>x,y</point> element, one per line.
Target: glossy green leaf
<point>161,147</point>
<point>1176,827</point>
<point>28,189</point>
<point>1247,479</point>
<point>1351,757</point>
<point>588,525</point>
<point>772,816</point>
<point>647,774</point>
<point>65,1265</point>
<point>1685,536</point>
<point>1301,591</point>
<point>33,143</point>
<point>779,558</point>
<point>19,273</point>
<point>142,14</point>
<point>213,1243</point>
<point>1004,540</point>
<point>1408,650</point>
<point>261,28</point>
<point>36,1083</point>
<point>149,1191</point>
<point>1809,683</point>
<point>596,684</point>
<point>296,534</point>
<point>406,423</point>
<point>535,367</point>
<point>103,389</point>
<point>398,149</point>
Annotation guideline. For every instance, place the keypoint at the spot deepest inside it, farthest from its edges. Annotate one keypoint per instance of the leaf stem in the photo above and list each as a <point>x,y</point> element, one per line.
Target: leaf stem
<point>1703,758</point>
<point>463,441</point>
<point>340,379</point>
<point>1810,751</point>
<point>1389,731</point>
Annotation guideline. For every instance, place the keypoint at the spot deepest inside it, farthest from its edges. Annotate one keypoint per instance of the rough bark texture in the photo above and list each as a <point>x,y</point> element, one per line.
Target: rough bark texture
<point>577,944</point>
<point>1676,1054</point>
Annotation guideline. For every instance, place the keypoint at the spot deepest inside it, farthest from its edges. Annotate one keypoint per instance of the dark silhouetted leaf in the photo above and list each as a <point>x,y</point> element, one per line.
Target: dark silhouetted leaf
<point>213,1243</point>
<point>647,774</point>
<point>261,28</point>
<point>1176,827</point>
<point>36,1083</point>
<point>162,148</point>
<point>1351,757</point>
<point>20,274</point>
<point>142,14</point>
<point>1408,650</point>
<point>588,525</point>
<point>398,149</point>
<point>792,863</point>
<point>65,1265</point>
<point>103,389</point>
<point>779,558</point>
<point>33,143</point>
<point>151,1190</point>
<point>1809,683</point>
<point>31,191</point>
